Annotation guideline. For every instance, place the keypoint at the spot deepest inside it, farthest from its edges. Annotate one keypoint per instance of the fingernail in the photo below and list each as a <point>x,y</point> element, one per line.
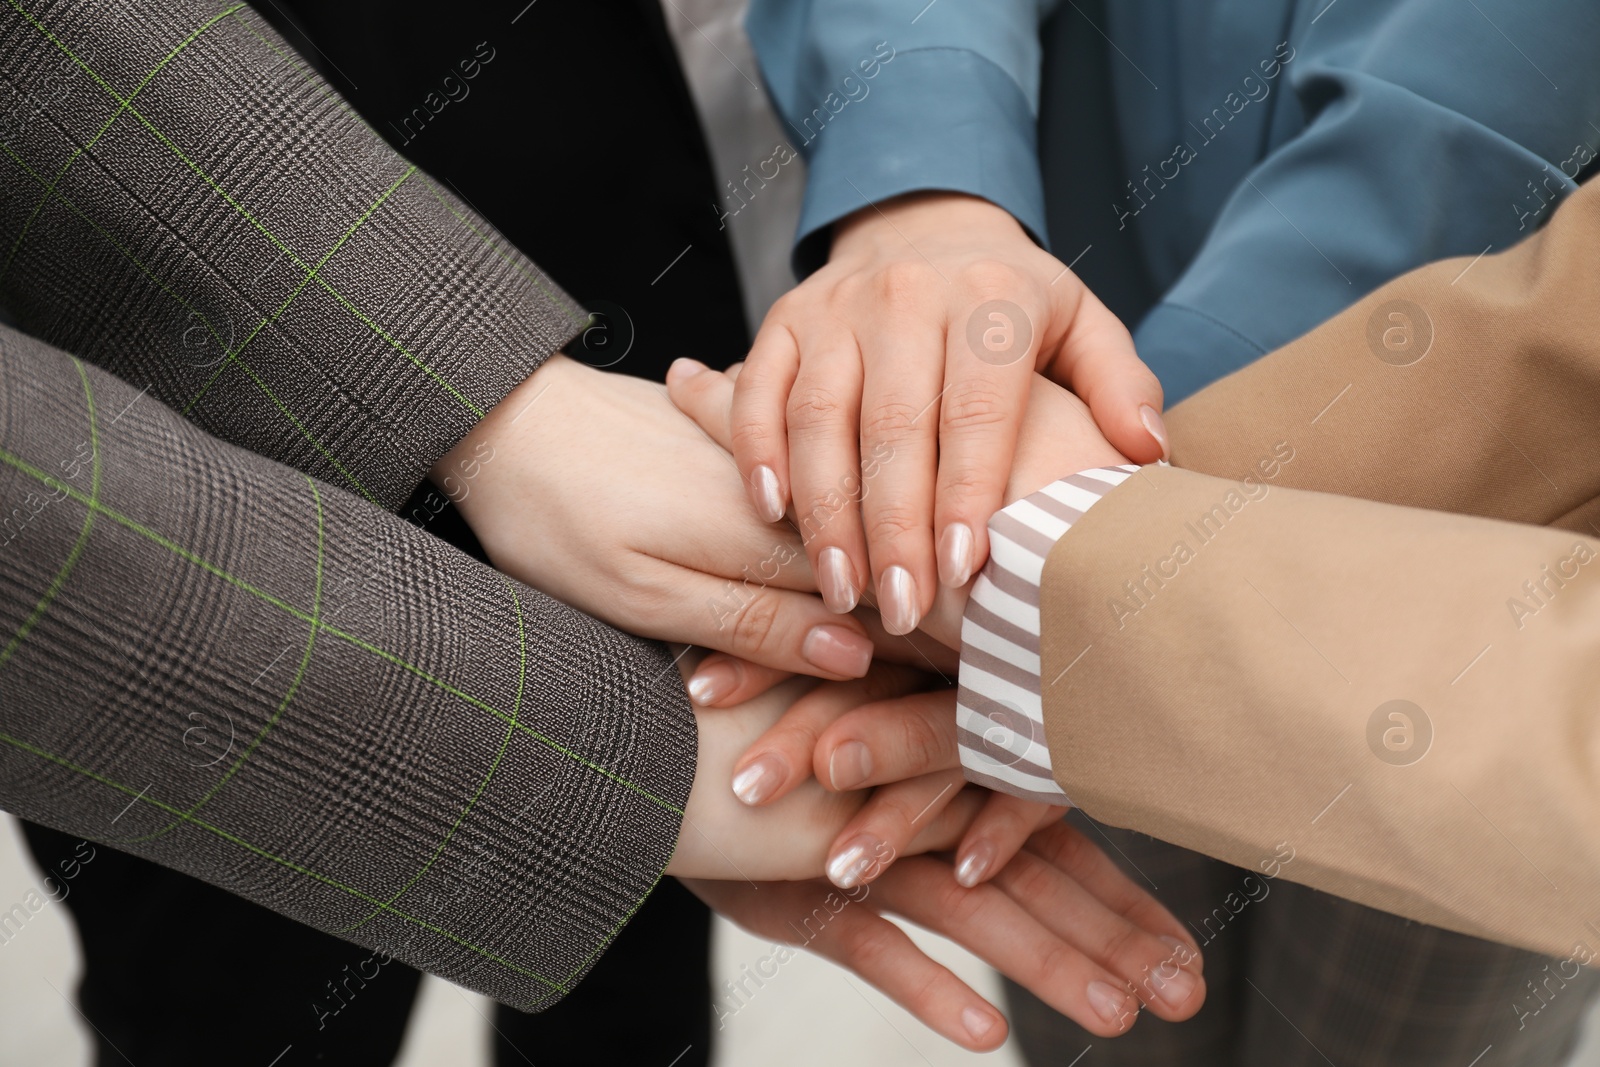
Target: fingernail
<point>850,765</point>
<point>897,601</point>
<point>1182,954</point>
<point>1175,990</point>
<point>769,501</point>
<point>847,868</point>
<point>970,871</point>
<point>758,781</point>
<point>834,579</point>
<point>837,650</point>
<point>684,367</point>
<point>955,555</point>
<point>712,682</point>
<point>1110,1003</point>
<point>978,1023</point>
<point>1158,429</point>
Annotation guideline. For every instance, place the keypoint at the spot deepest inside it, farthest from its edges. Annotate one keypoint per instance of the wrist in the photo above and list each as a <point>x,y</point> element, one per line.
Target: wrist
<point>891,223</point>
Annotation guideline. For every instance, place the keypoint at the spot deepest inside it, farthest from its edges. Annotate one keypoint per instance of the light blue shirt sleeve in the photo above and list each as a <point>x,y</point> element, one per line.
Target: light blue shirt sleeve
<point>885,97</point>
<point>1428,129</point>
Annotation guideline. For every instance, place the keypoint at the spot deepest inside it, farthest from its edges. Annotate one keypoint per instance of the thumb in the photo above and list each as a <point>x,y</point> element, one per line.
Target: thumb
<point>1098,362</point>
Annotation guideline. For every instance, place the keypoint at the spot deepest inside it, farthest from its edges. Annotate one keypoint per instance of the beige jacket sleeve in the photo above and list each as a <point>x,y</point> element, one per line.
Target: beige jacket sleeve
<point>1398,685</point>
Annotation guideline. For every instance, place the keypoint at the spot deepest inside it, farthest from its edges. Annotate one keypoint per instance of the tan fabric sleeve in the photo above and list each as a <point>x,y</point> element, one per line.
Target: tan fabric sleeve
<point>1240,698</point>
<point>1346,678</point>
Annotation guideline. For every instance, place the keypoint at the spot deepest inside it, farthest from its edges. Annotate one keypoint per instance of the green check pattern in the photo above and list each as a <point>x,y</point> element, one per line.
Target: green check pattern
<point>187,208</point>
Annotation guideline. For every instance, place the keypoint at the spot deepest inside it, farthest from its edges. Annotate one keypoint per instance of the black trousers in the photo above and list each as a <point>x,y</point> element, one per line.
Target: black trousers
<point>178,972</point>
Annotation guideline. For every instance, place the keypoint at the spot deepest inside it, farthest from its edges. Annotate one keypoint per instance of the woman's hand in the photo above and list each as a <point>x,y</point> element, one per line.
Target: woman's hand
<point>1061,920</point>
<point>592,488</point>
<point>883,395</point>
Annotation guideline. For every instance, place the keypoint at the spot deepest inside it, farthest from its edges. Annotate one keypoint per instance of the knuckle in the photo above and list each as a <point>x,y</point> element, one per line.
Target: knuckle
<point>975,404</point>
<point>890,420</point>
<point>1116,941</point>
<point>990,277</point>
<point>903,284</point>
<point>756,624</point>
<point>893,522</point>
<point>919,745</point>
<point>813,405</point>
<point>752,437</point>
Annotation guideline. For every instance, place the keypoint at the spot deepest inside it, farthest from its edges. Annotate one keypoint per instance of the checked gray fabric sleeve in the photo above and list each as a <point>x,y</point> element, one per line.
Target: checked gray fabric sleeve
<point>187,205</point>
<point>227,667</point>
<point>999,708</point>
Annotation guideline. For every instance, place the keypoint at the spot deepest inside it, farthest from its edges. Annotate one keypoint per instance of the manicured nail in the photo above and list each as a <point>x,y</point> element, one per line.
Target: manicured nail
<point>758,781</point>
<point>1174,989</point>
<point>1158,429</point>
<point>897,601</point>
<point>768,499</point>
<point>684,367</point>
<point>1110,1003</point>
<point>955,555</point>
<point>970,871</point>
<point>835,582</point>
<point>979,1023</point>
<point>850,765</point>
<point>837,650</point>
<point>712,682</point>
<point>847,868</point>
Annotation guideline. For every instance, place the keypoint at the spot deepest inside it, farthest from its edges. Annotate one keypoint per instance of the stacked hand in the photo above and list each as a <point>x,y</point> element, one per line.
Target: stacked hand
<point>672,550</point>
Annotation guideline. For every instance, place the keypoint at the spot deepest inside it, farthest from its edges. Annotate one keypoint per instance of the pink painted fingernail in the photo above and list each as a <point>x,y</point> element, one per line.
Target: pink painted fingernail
<point>970,871</point>
<point>768,497</point>
<point>897,601</point>
<point>851,865</point>
<point>835,581</point>
<point>759,781</point>
<point>712,682</point>
<point>955,555</point>
<point>1157,428</point>
<point>836,650</point>
<point>850,765</point>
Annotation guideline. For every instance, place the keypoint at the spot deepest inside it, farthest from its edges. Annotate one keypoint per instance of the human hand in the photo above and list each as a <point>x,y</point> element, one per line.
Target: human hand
<point>789,838</point>
<point>1060,919</point>
<point>896,377</point>
<point>607,498</point>
<point>1058,437</point>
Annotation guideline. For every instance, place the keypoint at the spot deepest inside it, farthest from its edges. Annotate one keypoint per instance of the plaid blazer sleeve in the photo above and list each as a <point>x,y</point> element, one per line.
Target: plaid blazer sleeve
<point>235,670</point>
<point>186,204</point>
<point>247,671</point>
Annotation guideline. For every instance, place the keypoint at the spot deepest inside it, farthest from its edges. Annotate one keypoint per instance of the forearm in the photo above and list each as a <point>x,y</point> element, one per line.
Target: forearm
<point>323,303</point>
<point>306,701</point>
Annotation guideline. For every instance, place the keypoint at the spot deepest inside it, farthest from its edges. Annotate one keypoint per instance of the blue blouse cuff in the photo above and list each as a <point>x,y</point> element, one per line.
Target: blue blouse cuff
<point>935,119</point>
<point>1189,349</point>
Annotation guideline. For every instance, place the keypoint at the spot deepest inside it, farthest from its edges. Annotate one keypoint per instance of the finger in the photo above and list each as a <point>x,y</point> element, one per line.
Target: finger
<point>882,954</point>
<point>890,741</point>
<point>734,370</point>
<point>772,627</point>
<point>721,681</point>
<point>780,759</point>
<point>1007,934</point>
<point>823,416</point>
<point>705,396</point>
<point>1098,362</point>
<point>758,428</point>
<point>1067,849</point>
<point>1136,955</point>
<point>998,833</point>
<point>904,359</point>
<point>980,417</point>
<point>916,649</point>
<point>886,826</point>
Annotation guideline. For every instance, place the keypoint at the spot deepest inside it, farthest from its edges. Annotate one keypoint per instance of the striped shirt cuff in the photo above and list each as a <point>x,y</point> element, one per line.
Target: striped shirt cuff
<point>999,713</point>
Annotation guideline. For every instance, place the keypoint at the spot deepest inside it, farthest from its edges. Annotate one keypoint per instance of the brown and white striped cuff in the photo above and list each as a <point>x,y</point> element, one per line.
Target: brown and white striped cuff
<point>999,713</point>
